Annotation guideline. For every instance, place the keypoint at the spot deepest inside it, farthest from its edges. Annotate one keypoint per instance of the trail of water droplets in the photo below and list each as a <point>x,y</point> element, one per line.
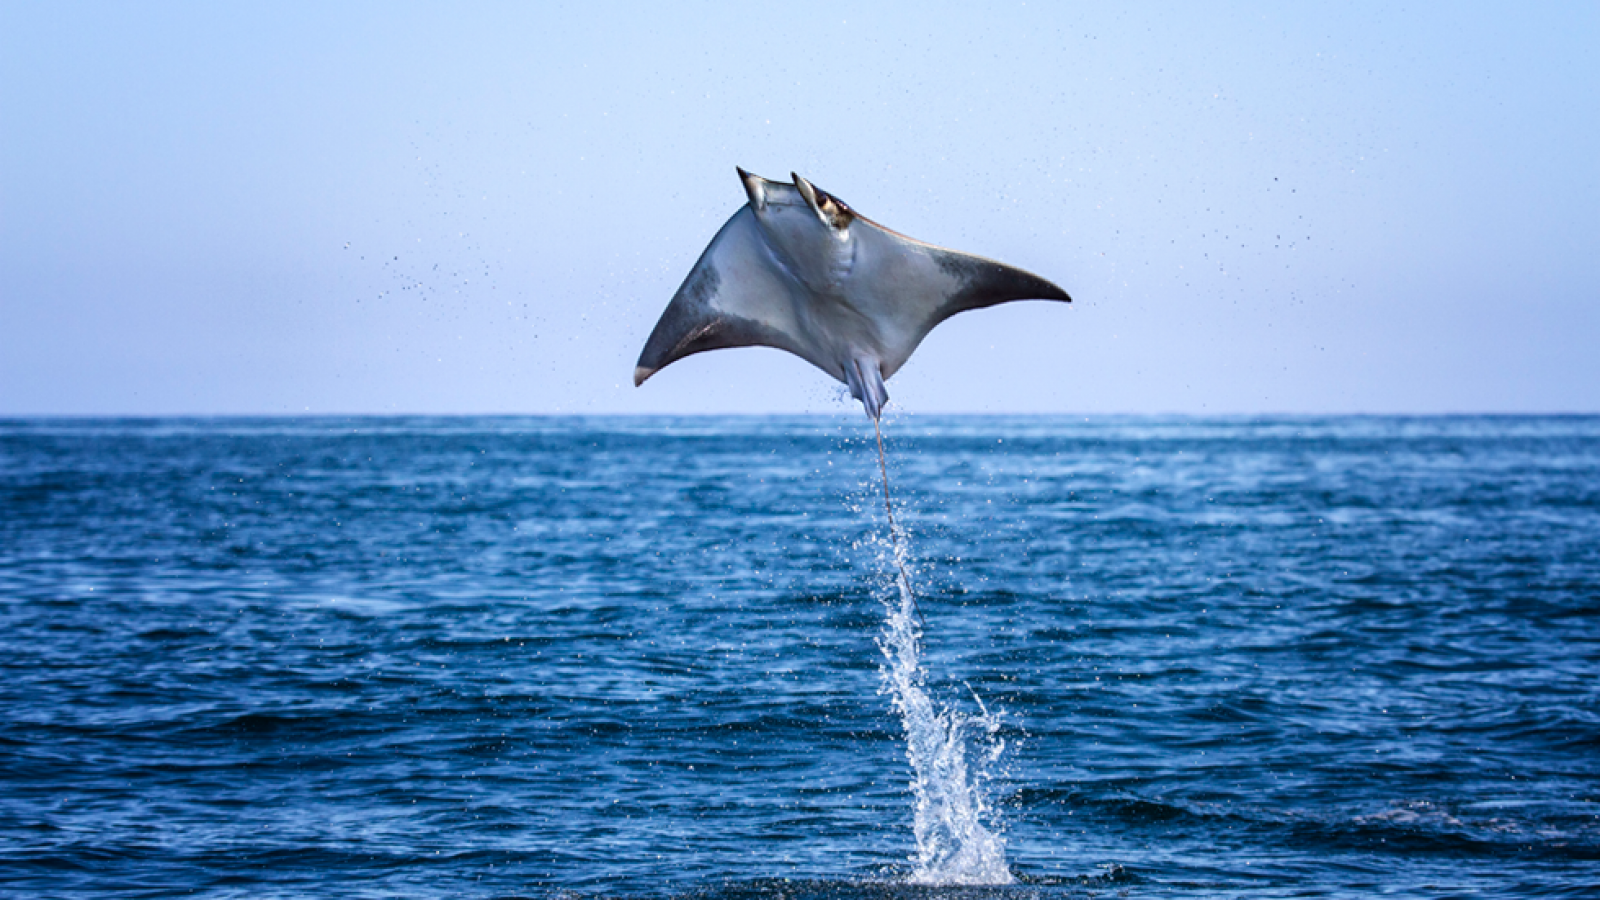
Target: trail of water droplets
<point>954,846</point>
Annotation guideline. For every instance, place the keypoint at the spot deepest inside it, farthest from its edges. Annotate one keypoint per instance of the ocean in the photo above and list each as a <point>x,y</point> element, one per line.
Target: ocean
<point>673,657</point>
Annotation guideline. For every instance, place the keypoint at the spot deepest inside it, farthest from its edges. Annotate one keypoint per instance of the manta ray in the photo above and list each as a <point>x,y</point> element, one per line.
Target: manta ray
<point>797,269</point>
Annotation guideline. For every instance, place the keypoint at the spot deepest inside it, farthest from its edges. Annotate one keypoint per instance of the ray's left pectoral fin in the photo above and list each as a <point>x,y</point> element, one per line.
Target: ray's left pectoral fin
<point>693,323</point>
<point>978,283</point>
<point>689,324</point>
<point>732,298</point>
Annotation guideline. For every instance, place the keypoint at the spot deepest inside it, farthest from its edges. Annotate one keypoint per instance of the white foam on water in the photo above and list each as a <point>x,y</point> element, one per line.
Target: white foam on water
<point>954,845</point>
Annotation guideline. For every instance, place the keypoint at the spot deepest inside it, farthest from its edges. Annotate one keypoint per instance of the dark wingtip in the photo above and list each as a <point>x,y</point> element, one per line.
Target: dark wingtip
<point>985,282</point>
<point>1039,288</point>
<point>1042,289</point>
<point>1029,286</point>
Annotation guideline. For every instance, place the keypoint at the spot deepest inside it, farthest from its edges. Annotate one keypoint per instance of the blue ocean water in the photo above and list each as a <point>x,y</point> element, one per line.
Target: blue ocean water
<point>635,657</point>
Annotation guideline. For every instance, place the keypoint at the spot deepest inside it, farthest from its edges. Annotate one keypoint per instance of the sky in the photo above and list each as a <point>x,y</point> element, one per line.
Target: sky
<point>476,208</point>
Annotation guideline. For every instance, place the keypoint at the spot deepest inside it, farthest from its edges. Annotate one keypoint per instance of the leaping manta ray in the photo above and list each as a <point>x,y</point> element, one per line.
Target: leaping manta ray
<point>799,270</point>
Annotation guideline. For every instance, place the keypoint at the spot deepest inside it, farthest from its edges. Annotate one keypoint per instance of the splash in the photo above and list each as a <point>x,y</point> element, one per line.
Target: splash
<point>954,846</point>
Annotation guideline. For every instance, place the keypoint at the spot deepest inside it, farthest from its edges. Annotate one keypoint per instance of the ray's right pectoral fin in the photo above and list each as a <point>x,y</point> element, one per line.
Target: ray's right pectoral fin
<point>978,283</point>
<point>919,285</point>
<point>732,298</point>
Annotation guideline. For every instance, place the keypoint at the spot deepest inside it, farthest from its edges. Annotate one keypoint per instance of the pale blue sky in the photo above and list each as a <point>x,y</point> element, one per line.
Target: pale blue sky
<point>214,208</point>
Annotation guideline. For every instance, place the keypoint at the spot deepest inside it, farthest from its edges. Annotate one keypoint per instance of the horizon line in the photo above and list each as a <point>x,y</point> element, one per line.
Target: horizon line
<point>1498,414</point>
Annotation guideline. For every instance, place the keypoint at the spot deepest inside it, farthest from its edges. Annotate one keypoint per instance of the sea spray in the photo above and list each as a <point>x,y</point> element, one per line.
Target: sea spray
<point>954,845</point>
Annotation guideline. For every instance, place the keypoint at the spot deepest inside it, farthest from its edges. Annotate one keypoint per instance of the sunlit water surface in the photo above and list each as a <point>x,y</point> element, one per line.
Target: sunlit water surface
<point>669,657</point>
